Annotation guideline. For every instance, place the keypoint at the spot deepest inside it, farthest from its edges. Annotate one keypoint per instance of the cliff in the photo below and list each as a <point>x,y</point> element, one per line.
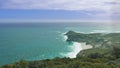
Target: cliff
<point>102,43</point>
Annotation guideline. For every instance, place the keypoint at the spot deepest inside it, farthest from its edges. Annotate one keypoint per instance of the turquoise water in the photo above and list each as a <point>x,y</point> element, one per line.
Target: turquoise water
<point>39,41</point>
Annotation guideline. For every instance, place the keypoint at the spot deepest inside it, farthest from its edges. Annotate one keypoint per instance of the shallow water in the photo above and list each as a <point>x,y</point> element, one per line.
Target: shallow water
<point>41,40</point>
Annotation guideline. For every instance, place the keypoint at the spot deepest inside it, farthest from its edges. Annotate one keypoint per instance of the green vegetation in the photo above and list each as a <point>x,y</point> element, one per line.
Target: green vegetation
<point>97,40</point>
<point>103,43</point>
<point>104,54</point>
<point>92,61</point>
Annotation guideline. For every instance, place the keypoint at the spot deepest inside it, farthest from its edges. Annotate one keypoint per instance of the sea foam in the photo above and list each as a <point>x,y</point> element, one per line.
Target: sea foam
<point>75,48</point>
<point>65,37</point>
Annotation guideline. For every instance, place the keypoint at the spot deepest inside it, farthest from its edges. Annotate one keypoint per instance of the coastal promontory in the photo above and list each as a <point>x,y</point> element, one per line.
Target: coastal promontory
<point>102,43</point>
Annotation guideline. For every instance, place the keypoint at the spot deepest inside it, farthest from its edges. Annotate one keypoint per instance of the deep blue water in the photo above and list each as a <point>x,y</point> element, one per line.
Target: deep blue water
<point>36,41</point>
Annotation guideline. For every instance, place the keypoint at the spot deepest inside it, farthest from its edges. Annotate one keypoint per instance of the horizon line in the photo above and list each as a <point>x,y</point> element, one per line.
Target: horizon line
<point>52,20</point>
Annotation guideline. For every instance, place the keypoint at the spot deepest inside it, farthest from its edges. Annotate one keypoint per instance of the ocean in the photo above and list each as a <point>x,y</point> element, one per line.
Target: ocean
<point>37,41</point>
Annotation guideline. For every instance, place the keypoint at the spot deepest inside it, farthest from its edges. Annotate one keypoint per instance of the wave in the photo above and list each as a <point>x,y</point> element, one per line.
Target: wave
<point>75,48</point>
<point>64,37</point>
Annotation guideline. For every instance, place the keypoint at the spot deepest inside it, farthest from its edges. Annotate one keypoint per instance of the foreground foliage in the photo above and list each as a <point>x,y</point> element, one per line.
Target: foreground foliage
<point>66,63</point>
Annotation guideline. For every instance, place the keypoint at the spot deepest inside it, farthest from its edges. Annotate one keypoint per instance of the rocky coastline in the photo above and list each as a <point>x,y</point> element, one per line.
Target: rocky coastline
<point>101,42</point>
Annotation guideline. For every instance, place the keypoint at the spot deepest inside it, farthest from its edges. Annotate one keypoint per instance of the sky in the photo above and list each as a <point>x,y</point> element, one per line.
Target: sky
<point>60,9</point>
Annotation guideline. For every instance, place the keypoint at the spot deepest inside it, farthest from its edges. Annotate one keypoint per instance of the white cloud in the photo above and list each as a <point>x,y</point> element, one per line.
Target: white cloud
<point>107,7</point>
<point>59,4</point>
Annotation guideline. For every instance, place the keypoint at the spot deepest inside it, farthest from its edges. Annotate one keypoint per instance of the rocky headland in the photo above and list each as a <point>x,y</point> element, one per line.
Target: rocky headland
<point>102,43</point>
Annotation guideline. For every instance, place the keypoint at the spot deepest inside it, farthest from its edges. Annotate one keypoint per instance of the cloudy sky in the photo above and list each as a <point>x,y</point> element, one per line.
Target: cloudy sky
<point>60,9</point>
